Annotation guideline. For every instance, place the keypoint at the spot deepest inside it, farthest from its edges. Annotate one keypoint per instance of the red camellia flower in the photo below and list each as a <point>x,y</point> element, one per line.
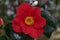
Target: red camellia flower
<point>29,21</point>
<point>1,21</point>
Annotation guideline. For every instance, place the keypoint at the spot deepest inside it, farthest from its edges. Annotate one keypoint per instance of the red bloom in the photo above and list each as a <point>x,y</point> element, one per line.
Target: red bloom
<point>29,21</point>
<point>1,21</point>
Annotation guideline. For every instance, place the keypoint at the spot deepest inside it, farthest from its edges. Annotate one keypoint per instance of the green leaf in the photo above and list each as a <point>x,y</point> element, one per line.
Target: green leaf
<point>3,38</point>
<point>50,19</point>
<point>51,23</point>
<point>9,31</point>
<point>48,30</point>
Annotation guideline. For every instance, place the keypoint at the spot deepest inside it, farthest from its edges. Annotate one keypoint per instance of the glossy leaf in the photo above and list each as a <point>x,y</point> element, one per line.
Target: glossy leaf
<point>48,30</point>
<point>50,19</point>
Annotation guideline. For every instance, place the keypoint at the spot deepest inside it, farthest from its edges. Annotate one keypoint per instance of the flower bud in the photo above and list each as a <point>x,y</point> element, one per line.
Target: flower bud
<point>1,21</point>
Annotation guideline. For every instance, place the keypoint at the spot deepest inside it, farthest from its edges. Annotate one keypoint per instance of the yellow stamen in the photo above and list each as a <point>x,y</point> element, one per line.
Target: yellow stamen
<point>29,20</point>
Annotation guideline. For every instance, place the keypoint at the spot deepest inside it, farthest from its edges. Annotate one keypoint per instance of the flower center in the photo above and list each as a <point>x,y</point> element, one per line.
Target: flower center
<point>29,20</point>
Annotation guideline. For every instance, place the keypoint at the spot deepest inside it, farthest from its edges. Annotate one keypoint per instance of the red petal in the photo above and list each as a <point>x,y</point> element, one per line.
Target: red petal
<point>16,25</point>
<point>42,22</point>
<point>39,23</point>
<point>37,26</point>
<point>41,31</point>
<point>24,7</point>
<point>16,21</point>
<point>25,28</point>
<point>35,33</point>
<point>19,13</point>
<point>16,28</point>
<point>36,12</point>
<point>24,10</point>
